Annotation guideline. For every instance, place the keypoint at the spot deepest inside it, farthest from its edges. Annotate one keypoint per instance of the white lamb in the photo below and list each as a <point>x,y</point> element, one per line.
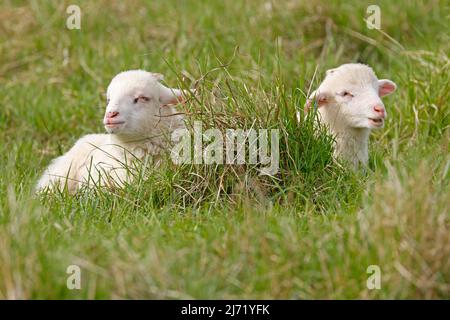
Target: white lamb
<point>140,119</point>
<point>349,103</point>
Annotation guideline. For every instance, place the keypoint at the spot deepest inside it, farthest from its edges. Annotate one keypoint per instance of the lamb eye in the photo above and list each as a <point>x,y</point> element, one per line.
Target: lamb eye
<point>141,98</point>
<point>346,94</point>
<point>107,101</point>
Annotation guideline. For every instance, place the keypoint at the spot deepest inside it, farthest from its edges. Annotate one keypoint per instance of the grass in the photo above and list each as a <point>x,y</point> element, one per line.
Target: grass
<point>224,232</point>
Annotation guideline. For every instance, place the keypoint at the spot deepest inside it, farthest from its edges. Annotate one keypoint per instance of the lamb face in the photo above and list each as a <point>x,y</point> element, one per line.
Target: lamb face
<point>134,102</point>
<point>350,96</point>
<point>139,107</point>
<point>349,101</point>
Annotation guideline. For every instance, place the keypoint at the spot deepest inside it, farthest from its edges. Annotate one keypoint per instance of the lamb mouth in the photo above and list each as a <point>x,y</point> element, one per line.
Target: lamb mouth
<point>114,124</point>
<point>377,121</point>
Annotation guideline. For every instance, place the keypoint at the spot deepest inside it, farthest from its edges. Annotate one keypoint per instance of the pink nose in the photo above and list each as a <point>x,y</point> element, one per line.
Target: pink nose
<point>110,115</point>
<point>380,110</point>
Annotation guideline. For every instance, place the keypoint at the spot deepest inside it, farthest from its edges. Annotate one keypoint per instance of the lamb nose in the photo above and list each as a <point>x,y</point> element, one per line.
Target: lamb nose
<point>379,109</point>
<point>112,114</point>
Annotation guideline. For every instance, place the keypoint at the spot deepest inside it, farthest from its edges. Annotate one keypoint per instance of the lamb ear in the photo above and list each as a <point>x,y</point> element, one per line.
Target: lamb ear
<point>321,98</point>
<point>158,76</point>
<point>173,96</point>
<point>330,71</point>
<point>386,87</point>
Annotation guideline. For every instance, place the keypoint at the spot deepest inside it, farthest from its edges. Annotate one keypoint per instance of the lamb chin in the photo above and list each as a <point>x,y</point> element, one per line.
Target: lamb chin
<point>111,129</point>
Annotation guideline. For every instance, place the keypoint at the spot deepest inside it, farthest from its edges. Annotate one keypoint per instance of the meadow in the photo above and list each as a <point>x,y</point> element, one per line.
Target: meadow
<point>224,232</point>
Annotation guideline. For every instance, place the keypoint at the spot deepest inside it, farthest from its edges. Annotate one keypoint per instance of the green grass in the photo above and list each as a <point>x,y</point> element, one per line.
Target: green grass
<point>207,232</point>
